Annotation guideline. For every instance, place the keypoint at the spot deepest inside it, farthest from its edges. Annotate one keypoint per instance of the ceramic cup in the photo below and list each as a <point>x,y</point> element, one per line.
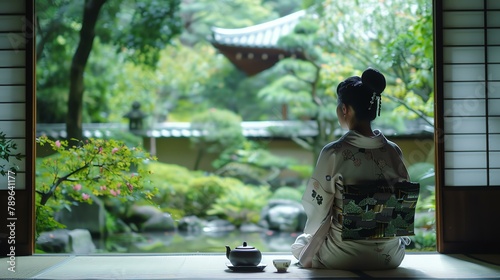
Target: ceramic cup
<point>281,264</point>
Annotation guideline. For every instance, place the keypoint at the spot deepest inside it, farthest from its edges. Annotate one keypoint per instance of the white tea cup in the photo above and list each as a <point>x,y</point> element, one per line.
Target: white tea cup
<point>281,264</point>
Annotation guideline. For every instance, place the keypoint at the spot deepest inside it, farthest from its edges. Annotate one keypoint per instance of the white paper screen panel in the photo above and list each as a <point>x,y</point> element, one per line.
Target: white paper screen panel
<point>465,142</point>
<point>463,5</point>
<point>454,90</point>
<point>464,125</point>
<point>13,25</point>
<point>473,54</point>
<point>463,55</point>
<point>465,177</point>
<point>464,107</point>
<point>461,37</point>
<point>464,72</point>
<point>465,160</point>
<point>471,92</point>
<point>463,19</point>
<point>493,36</point>
<point>470,5</point>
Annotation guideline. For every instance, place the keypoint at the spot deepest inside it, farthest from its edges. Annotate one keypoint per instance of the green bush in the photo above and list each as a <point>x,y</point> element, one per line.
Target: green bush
<point>94,168</point>
<point>425,224</point>
<point>287,193</point>
<point>172,182</point>
<point>241,204</point>
<point>424,241</point>
<point>204,191</point>
<point>305,171</point>
<point>182,192</point>
<point>221,133</point>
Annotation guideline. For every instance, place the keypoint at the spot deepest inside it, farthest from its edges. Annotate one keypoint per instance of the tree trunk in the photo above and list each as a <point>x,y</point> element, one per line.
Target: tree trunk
<point>76,88</point>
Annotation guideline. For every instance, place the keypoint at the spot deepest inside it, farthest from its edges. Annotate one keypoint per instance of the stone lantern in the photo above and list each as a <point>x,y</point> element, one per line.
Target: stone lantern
<point>135,116</point>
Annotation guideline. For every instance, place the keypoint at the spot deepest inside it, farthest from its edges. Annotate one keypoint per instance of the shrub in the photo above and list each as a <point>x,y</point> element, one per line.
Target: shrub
<point>172,184</point>
<point>220,132</point>
<point>204,191</point>
<point>92,168</point>
<point>241,204</point>
<point>287,193</point>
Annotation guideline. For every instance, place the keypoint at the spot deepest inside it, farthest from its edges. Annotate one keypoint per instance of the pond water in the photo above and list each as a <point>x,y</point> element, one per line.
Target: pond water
<point>177,242</point>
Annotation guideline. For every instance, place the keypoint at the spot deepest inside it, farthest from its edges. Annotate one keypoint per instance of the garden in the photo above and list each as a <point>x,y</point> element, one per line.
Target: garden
<point>156,53</point>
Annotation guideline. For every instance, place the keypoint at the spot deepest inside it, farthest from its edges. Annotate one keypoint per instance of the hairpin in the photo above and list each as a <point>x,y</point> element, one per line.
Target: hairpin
<point>374,96</point>
<point>372,101</point>
<point>379,105</point>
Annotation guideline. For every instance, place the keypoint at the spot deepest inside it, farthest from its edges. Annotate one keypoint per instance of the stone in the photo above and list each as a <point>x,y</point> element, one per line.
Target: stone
<point>190,224</point>
<point>56,241</point>
<point>248,227</point>
<point>77,241</point>
<point>85,216</point>
<point>283,215</point>
<point>139,214</point>
<point>217,226</point>
<point>159,222</point>
<point>81,242</point>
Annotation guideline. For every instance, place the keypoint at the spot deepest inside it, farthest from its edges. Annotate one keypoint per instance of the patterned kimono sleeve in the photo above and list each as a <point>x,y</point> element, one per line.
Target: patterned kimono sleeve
<point>318,196</point>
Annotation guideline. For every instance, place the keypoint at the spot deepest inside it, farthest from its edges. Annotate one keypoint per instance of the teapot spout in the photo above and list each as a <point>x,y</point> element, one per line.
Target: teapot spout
<point>228,251</point>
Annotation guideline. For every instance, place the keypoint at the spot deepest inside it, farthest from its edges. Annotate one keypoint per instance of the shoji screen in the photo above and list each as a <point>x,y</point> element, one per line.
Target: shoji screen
<point>471,56</point>
<point>16,121</point>
<point>467,44</point>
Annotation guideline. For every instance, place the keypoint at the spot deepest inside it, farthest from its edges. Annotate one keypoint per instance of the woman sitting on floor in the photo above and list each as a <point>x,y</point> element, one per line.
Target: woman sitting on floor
<point>361,155</point>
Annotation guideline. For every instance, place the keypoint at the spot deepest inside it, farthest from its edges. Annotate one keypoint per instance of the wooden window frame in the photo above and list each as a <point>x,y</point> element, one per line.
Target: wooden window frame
<point>459,228</point>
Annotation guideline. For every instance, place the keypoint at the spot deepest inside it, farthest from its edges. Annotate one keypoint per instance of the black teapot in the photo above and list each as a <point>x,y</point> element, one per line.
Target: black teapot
<point>244,255</point>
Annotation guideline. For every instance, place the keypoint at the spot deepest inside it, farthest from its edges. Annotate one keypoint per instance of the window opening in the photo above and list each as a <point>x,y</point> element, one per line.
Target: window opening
<point>281,120</point>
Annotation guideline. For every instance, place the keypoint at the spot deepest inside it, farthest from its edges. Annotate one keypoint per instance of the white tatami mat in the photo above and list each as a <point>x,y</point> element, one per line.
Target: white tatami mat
<point>213,266</point>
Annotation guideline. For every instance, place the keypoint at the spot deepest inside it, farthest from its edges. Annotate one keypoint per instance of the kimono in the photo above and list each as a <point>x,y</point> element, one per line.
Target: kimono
<point>353,159</point>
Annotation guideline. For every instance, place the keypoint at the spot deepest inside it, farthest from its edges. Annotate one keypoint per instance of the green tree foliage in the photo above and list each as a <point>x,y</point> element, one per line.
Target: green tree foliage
<point>151,25</point>
<point>94,168</point>
<point>190,75</point>
<point>300,86</point>
<point>342,40</point>
<point>227,87</point>
<point>202,193</point>
<point>220,131</point>
<point>201,15</point>
<point>241,204</point>
<point>394,36</point>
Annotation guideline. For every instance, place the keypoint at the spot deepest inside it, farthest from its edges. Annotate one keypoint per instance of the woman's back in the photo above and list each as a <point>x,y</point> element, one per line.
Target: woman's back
<point>361,155</point>
<point>359,159</point>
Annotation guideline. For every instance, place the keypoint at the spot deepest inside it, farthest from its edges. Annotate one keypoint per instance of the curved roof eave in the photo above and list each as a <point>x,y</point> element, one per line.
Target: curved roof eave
<point>261,35</point>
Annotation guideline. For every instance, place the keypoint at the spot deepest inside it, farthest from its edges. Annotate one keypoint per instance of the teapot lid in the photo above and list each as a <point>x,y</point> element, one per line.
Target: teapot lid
<point>245,246</point>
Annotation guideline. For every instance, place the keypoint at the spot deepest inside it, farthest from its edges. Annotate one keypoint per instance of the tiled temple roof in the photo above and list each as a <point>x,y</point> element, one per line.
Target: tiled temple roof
<point>256,129</point>
<point>254,49</point>
<point>251,129</point>
<point>264,35</point>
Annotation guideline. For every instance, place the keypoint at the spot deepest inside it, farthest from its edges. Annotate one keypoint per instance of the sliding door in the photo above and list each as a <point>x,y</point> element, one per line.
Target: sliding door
<point>467,49</point>
<point>17,123</point>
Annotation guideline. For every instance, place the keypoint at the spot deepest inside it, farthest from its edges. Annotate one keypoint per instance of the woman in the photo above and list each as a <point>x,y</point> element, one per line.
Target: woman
<point>361,155</point>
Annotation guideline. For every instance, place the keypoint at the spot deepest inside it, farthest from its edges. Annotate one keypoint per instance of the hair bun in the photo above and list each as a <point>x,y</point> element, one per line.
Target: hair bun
<point>374,80</point>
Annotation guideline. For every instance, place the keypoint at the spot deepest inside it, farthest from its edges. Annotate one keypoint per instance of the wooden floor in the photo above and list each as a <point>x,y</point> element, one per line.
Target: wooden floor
<point>214,266</point>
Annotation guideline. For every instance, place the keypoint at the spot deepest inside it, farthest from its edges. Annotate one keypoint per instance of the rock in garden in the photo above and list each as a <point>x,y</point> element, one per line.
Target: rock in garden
<point>139,214</point>
<point>283,215</point>
<point>159,222</point>
<point>190,224</point>
<point>77,241</point>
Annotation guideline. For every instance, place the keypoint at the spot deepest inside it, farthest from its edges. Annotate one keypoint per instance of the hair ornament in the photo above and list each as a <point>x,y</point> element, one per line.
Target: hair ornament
<point>374,80</point>
<point>374,97</point>
<point>379,105</point>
